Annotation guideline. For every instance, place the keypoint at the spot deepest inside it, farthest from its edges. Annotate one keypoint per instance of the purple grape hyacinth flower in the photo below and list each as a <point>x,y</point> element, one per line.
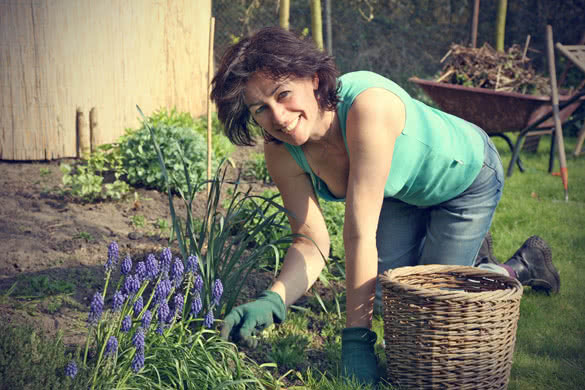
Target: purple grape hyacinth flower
<point>141,272</point>
<point>179,303</point>
<point>126,266</point>
<point>131,284</point>
<point>113,255</point>
<point>111,346</point>
<point>163,312</point>
<point>217,291</point>
<point>95,309</point>
<point>146,319</point>
<point>71,369</point>
<point>192,264</point>
<point>159,330</point>
<point>165,260</point>
<point>163,288</point>
<point>196,306</point>
<point>208,321</point>
<point>118,301</point>
<point>177,272</point>
<point>198,285</point>
<point>138,361</point>
<point>138,340</point>
<point>138,306</point>
<point>151,267</point>
<point>126,324</point>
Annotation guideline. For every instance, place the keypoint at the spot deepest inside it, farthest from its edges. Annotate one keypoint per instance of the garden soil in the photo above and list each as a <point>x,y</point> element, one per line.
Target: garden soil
<point>53,248</point>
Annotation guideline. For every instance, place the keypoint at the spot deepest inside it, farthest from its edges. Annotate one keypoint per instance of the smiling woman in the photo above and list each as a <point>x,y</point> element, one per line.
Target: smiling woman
<point>420,186</point>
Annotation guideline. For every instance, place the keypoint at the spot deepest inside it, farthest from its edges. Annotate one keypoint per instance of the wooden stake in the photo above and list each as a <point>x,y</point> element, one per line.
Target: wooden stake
<point>83,139</point>
<point>526,47</point>
<point>556,115</point>
<point>474,24</point>
<point>209,77</point>
<point>93,128</point>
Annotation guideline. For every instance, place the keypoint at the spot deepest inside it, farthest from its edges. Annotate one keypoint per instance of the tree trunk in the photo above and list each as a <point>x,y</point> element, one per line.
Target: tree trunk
<point>501,24</point>
<point>317,23</point>
<point>284,14</point>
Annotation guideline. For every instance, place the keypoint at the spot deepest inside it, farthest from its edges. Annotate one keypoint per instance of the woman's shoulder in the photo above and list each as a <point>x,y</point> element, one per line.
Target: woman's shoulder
<point>354,83</point>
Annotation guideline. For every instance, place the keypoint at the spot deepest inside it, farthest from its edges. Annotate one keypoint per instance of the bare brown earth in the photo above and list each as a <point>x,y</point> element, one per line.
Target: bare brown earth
<point>53,248</point>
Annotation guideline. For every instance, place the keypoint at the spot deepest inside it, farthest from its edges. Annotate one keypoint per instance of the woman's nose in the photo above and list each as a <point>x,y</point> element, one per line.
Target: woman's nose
<point>278,115</point>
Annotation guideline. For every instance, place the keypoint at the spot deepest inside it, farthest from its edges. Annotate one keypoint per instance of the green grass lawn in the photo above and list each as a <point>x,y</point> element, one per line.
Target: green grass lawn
<point>550,348</point>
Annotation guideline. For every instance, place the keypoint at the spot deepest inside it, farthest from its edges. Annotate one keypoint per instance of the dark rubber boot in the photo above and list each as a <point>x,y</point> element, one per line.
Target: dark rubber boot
<point>486,252</point>
<point>533,266</point>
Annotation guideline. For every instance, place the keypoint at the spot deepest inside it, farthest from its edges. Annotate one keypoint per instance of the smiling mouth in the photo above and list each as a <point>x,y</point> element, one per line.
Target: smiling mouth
<point>291,126</point>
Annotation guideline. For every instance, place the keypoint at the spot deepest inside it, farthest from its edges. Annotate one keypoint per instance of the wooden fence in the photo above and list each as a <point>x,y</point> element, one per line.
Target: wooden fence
<point>62,59</point>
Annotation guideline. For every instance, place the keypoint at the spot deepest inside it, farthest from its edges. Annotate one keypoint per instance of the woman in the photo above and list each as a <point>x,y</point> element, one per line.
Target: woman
<point>420,186</point>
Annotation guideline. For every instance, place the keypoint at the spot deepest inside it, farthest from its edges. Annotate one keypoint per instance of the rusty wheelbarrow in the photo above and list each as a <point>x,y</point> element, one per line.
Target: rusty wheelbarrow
<point>499,112</point>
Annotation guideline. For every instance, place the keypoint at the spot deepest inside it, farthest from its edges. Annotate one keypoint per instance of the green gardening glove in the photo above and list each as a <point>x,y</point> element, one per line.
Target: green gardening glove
<point>357,355</point>
<point>243,322</point>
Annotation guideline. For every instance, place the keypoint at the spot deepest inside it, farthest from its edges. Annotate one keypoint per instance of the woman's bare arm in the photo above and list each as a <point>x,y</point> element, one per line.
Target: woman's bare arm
<point>304,259</point>
<point>374,122</point>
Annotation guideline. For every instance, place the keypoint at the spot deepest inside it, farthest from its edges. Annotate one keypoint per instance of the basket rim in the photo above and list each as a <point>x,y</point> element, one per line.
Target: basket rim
<point>387,280</point>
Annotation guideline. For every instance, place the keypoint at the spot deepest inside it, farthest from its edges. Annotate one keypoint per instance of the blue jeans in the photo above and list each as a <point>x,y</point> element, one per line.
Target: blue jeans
<point>447,233</point>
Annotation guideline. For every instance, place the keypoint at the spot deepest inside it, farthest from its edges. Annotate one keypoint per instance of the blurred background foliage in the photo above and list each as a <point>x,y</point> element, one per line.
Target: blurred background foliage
<point>404,38</point>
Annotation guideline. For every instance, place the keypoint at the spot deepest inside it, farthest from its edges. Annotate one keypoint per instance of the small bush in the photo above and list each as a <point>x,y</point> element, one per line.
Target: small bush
<point>182,140</point>
<point>141,161</point>
<point>85,181</point>
<point>30,360</point>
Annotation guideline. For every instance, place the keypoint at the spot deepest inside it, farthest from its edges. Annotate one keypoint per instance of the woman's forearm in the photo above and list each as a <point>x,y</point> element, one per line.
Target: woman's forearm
<point>361,262</point>
<point>301,267</point>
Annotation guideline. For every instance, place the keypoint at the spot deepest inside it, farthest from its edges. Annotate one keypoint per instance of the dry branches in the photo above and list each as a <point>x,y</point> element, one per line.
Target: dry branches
<point>485,67</point>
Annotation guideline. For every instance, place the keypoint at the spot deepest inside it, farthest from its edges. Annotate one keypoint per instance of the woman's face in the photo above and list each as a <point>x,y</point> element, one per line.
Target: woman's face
<point>287,108</point>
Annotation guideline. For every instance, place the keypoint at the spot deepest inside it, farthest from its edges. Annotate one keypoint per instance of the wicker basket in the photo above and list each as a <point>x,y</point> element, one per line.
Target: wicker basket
<point>449,327</point>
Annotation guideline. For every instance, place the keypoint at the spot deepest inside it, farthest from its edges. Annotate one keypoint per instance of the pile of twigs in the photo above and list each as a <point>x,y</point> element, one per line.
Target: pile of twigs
<point>485,67</point>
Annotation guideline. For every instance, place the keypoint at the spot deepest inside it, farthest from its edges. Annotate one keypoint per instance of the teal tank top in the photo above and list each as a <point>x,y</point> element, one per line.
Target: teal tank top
<point>436,157</point>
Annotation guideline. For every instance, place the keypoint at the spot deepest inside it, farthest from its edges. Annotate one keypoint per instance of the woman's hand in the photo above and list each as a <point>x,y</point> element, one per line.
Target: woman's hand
<point>244,321</point>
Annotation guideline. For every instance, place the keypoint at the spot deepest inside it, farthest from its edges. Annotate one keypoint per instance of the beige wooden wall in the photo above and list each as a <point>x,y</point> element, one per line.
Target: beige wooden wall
<point>60,55</point>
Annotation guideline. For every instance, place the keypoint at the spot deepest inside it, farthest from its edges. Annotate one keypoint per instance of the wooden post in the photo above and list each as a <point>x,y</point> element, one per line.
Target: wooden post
<point>474,24</point>
<point>93,128</point>
<point>284,14</point>
<point>580,139</point>
<point>83,139</point>
<point>555,105</point>
<point>209,78</point>
<point>501,24</point>
<point>329,27</point>
<point>316,23</point>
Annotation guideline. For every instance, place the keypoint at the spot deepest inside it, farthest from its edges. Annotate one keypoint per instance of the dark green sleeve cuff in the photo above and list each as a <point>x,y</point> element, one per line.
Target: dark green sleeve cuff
<point>358,334</point>
<point>277,304</point>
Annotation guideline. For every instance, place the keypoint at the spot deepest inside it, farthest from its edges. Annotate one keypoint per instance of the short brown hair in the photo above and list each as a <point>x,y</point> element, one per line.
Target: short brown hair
<point>278,53</point>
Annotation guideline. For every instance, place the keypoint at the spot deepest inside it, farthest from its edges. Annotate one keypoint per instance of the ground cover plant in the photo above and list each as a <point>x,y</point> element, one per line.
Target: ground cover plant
<point>107,172</point>
<point>303,352</point>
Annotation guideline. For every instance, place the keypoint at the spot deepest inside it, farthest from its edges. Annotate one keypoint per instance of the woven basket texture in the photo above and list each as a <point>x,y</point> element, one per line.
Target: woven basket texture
<point>449,327</point>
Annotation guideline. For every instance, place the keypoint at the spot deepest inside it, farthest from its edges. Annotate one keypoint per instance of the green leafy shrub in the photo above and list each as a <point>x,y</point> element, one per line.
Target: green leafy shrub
<point>220,144</point>
<point>182,140</point>
<point>141,161</point>
<point>85,180</point>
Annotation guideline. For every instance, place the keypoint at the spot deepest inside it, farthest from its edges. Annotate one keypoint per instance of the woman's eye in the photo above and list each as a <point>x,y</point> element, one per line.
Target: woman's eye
<point>283,94</point>
<point>259,110</point>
